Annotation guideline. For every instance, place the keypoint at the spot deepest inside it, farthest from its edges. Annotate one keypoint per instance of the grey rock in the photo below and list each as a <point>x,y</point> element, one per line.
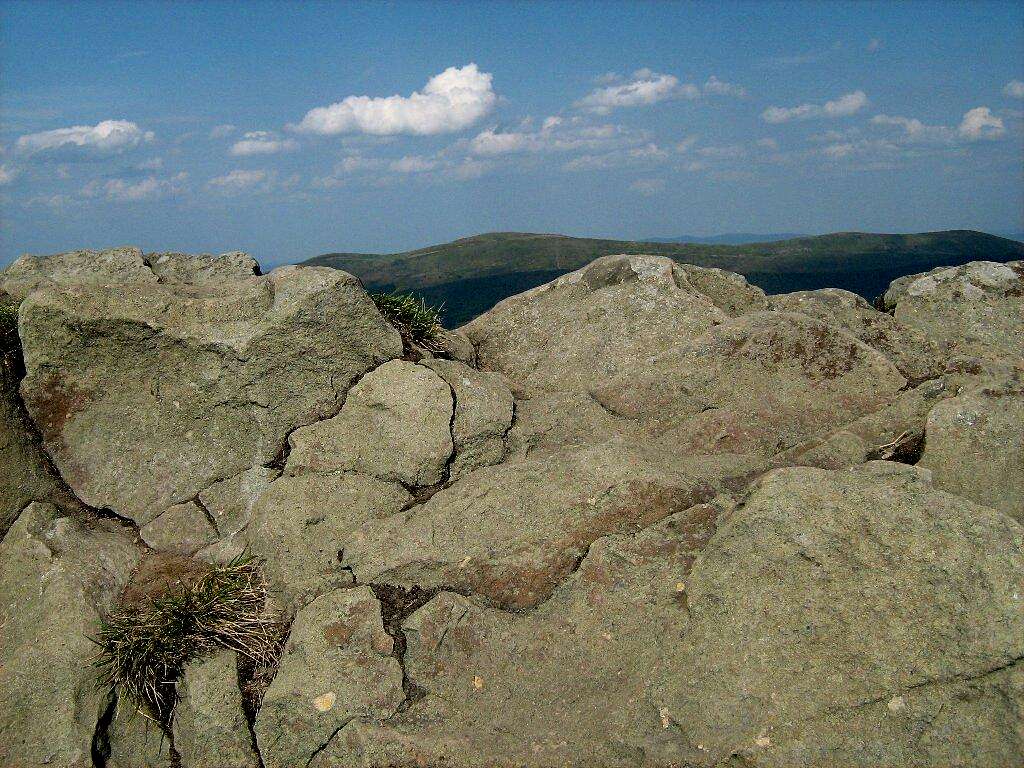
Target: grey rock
<point>210,730</point>
<point>230,502</point>
<point>337,666</point>
<point>147,393</point>
<point>395,425</point>
<point>182,529</point>
<point>729,291</point>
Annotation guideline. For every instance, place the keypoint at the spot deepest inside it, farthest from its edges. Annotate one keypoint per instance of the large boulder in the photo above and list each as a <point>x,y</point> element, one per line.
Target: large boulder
<point>58,575</point>
<point>513,532</point>
<point>975,310</point>
<point>974,447</point>
<point>599,321</point>
<point>395,425</point>
<point>338,665</point>
<point>148,393</point>
<point>757,384</point>
<point>854,618</point>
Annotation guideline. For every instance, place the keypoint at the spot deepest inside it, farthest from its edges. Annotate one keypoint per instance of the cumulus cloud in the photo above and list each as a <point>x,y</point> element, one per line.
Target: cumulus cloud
<point>555,135</point>
<point>1014,89</point>
<point>240,180</point>
<point>645,88</point>
<point>450,101</point>
<point>126,191</point>
<point>916,131</point>
<point>717,87</point>
<point>262,143</point>
<point>413,164</point>
<point>979,123</point>
<point>7,175</point>
<point>847,104</point>
<point>106,137</point>
<point>221,131</point>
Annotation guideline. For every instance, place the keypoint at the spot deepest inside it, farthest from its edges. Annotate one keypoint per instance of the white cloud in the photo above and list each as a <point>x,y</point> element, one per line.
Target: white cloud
<point>847,104</point>
<point>555,135</point>
<point>413,164</point>
<point>648,187</point>
<point>1014,89</point>
<point>719,88</point>
<point>686,144</point>
<point>490,142</point>
<point>916,131</point>
<point>221,131</point>
<point>980,123</point>
<point>262,143</point>
<point>125,191</point>
<point>645,88</point>
<point>240,180</point>
<point>450,101</point>
<point>7,175</point>
<point>153,164</point>
<point>768,143</point>
<point>728,152</point>
<point>874,44</point>
<point>107,137</point>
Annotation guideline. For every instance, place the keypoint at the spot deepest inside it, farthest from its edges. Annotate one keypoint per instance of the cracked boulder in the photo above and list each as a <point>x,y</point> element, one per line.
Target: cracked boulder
<point>483,415</point>
<point>974,447</point>
<point>147,393</point>
<point>210,730</point>
<point>729,291</point>
<point>561,685</point>
<point>300,526</point>
<point>183,529</point>
<point>915,357</point>
<point>758,384</point>
<point>855,618</point>
<point>975,310</point>
<point>395,425</point>
<point>597,322</point>
<point>513,532</point>
<point>338,666</point>
<point>57,576</point>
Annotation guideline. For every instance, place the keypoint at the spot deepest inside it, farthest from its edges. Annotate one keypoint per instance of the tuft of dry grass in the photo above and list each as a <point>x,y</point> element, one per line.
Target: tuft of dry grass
<point>144,647</point>
<point>413,317</point>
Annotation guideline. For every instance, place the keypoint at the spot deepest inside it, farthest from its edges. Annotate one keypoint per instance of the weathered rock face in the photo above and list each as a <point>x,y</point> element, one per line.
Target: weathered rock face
<point>641,521</point>
<point>338,666</point>
<point>974,310</point>
<point>148,393</point>
<point>974,447</point>
<point>56,578</point>
<point>210,730</point>
<point>602,320</point>
<point>834,602</point>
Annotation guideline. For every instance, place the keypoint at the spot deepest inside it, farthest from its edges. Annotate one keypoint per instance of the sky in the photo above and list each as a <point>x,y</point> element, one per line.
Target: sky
<point>288,130</point>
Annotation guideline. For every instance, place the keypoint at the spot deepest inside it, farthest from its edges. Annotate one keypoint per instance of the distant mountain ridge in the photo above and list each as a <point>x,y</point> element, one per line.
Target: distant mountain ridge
<point>472,274</point>
<point>728,238</point>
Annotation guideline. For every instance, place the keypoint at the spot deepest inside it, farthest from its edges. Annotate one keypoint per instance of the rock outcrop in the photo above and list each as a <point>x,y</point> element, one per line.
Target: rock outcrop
<point>641,516</point>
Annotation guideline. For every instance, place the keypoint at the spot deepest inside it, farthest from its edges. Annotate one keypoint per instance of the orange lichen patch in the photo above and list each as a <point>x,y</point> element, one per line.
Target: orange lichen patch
<point>339,633</point>
<point>53,402</point>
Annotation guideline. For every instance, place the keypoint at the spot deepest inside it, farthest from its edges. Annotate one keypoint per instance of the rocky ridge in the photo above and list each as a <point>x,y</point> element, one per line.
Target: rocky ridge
<point>642,515</point>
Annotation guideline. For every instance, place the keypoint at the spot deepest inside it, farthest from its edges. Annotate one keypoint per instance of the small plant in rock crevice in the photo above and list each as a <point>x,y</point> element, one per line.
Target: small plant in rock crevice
<point>144,646</point>
<point>417,321</point>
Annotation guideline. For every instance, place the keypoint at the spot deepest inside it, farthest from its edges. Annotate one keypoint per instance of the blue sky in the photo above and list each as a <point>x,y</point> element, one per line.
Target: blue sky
<point>290,129</point>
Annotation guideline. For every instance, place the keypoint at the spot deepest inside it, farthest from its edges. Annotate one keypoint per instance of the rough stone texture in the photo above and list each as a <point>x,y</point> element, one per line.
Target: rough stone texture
<point>562,685</point>
<point>337,666</point>
<point>557,420</point>
<point>597,322</point>
<point>757,384</point>
<point>974,446</point>
<point>395,425</point>
<point>730,292</point>
<point>56,576</point>
<point>833,601</point>
<point>483,415</point>
<point>974,310</point>
<point>134,741</point>
<point>148,393</point>
<point>210,730</point>
<point>183,529</point>
<point>300,525</point>
<point>907,348</point>
<point>230,502</point>
<point>513,532</point>
<point>26,474</point>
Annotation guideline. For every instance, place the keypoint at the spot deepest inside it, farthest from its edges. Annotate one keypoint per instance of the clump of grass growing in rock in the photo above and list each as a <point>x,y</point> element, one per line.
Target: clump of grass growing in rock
<point>416,320</point>
<point>144,646</point>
